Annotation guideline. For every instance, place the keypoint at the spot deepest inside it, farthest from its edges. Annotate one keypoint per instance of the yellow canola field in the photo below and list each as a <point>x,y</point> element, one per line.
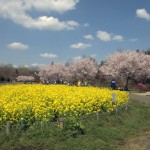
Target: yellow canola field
<point>37,102</point>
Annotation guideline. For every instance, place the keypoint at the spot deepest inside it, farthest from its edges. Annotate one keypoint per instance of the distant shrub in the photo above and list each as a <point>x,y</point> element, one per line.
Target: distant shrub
<point>141,87</point>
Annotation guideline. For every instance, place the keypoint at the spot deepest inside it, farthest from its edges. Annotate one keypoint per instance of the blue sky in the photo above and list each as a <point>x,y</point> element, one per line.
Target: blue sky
<point>38,32</point>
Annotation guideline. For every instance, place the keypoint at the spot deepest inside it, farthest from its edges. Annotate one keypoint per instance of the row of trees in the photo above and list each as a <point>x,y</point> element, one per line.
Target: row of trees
<point>83,69</point>
<point>123,65</point>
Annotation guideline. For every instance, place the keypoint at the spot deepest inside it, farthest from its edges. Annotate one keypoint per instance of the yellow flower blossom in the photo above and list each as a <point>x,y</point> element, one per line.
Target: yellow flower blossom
<point>44,102</point>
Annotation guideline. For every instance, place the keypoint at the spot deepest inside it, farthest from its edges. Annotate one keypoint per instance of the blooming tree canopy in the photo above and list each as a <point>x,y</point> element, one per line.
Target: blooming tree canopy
<point>53,72</point>
<point>128,64</point>
<point>83,69</point>
<point>25,78</point>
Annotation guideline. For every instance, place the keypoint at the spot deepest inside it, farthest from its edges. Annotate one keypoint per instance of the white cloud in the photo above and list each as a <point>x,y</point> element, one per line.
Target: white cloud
<point>48,55</point>
<point>50,23</point>
<point>15,66</point>
<point>80,46</point>
<point>77,58</point>
<point>133,40</point>
<point>142,13</point>
<point>26,66</point>
<point>89,37</point>
<point>17,12</point>
<point>37,65</point>
<point>117,38</point>
<point>52,5</point>
<point>105,36</point>
<point>93,55</point>
<point>23,66</point>
<point>17,45</point>
<point>80,57</point>
<point>70,25</point>
<point>86,25</point>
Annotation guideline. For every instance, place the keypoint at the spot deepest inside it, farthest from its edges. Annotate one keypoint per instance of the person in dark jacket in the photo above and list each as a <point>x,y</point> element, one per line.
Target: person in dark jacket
<point>113,85</point>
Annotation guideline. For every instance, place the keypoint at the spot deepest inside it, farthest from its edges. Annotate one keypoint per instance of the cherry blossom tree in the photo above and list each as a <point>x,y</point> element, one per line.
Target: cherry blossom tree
<point>83,69</point>
<point>25,78</point>
<point>53,72</point>
<point>127,64</point>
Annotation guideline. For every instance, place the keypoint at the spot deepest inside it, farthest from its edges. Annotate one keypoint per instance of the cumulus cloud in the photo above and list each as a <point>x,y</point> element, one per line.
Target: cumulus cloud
<point>17,12</point>
<point>80,57</point>
<point>37,65</point>
<point>105,36</point>
<point>51,5</point>
<point>117,38</point>
<point>142,13</point>
<point>48,55</point>
<point>50,23</point>
<point>89,37</point>
<point>80,45</point>
<point>17,45</point>
<point>15,66</point>
<point>77,58</point>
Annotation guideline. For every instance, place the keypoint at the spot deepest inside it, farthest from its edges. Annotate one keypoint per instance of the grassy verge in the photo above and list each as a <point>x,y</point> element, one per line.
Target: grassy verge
<point>110,132</point>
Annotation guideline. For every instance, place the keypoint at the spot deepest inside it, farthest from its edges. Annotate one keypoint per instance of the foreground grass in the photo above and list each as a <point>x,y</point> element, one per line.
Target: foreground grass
<point>110,132</point>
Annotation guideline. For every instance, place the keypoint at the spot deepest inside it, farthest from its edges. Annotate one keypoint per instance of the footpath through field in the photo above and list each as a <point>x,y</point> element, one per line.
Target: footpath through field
<point>144,97</point>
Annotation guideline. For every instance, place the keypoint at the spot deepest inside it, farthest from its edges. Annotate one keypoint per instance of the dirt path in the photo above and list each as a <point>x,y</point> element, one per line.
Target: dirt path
<point>141,141</point>
<point>140,96</point>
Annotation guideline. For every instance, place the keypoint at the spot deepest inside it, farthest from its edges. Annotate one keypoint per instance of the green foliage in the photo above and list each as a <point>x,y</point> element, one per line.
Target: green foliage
<point>73,127</point>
